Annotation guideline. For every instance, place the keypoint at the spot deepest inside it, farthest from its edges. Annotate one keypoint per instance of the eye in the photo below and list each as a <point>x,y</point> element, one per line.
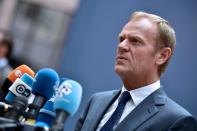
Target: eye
<point>135,41</point>
<point>121,38</point>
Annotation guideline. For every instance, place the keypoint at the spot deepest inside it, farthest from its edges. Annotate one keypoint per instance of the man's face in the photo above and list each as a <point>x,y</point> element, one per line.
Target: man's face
<point>136,50</point>
<point>3,47</point>
<point>3,50</point>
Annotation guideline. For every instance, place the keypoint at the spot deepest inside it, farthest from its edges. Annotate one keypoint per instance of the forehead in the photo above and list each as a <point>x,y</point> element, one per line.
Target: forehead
<point>140,25</point>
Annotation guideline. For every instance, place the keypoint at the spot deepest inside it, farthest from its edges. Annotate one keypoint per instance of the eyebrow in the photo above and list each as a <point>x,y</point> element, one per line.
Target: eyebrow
<point>130,36</point>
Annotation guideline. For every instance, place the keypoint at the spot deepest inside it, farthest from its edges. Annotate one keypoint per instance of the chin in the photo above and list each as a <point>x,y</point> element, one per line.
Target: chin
<point>119,70</point>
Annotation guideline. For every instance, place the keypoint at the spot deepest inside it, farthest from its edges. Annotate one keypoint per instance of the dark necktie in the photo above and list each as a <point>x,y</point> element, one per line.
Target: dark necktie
<point>108,126</point>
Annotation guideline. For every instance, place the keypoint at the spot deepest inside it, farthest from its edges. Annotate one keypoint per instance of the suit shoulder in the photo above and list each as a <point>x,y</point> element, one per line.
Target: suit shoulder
<point>176,109</point>
<point>180,117</point>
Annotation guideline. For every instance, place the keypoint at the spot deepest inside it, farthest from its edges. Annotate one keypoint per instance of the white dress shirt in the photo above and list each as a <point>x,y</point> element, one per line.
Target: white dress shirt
<point>137,95</point>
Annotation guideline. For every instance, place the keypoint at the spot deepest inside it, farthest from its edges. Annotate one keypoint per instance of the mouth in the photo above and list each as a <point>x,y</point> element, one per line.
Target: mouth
<point>121,58</point>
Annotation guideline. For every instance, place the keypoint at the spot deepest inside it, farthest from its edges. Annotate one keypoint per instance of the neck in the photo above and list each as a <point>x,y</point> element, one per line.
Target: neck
<point>131,84</point>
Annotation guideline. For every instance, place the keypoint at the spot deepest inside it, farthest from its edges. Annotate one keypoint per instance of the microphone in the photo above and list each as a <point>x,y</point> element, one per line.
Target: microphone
<point>12,76</point>
<point>21,87</point>
<point>4,107</point>
<point>19,106</point>
<point>66,103</point>
<point>46,80</point>
<point>47,115</point>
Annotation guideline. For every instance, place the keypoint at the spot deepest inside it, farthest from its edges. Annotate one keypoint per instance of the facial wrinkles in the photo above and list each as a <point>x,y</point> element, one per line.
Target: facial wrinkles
<point>143,28</point>
<point>148,29</point>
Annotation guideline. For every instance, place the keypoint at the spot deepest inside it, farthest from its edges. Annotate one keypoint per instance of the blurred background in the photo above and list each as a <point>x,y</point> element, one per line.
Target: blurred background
<point>78,39</point>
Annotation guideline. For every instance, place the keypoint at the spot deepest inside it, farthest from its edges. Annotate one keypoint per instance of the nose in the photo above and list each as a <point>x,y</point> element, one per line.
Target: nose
<point>123,46</point>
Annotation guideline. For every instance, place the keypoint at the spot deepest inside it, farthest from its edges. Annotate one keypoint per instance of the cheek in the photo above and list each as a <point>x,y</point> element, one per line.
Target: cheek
<point>143,58</point>
<point>148,60</point>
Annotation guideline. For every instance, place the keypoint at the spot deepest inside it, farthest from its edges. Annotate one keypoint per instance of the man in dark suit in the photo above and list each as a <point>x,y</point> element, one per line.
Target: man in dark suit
<point>146,45</point>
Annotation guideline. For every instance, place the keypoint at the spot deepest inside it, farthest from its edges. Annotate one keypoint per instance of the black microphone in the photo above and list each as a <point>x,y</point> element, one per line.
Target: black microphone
<point>19,106</point>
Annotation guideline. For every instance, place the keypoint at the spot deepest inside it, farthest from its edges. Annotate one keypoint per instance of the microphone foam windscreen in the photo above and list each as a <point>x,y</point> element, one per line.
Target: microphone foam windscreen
<point>27,79</point>
<point>47,113</point>
<point>19,71</point>
<point>46,80</point>
<point>48,106</point>
<point>68,96</point>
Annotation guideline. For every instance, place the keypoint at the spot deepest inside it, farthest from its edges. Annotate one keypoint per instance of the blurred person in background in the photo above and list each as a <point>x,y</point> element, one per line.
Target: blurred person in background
<point>146,44</point>
<point>6,45</point>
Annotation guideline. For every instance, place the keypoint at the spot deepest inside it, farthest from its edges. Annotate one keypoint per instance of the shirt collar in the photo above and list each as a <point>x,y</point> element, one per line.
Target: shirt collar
<point>139,94</point>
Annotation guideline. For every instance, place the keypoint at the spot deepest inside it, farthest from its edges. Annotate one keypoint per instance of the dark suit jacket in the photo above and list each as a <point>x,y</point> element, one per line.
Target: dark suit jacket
<point>156,113</point>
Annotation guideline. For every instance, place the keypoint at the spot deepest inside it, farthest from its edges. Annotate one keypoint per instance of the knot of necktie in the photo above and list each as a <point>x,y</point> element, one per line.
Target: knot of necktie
<point>124,97</point>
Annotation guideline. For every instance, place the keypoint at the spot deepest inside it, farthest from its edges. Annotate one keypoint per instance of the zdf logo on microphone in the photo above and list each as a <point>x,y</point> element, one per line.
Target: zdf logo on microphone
<point>22,90</point>
<point>64,89</point>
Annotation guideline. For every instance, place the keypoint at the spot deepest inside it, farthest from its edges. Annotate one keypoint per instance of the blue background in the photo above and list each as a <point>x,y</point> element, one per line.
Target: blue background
<point>89,51</point>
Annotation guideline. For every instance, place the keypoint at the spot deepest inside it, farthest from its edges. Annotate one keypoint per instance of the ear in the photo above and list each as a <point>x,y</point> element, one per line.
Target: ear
<point>163,55</point>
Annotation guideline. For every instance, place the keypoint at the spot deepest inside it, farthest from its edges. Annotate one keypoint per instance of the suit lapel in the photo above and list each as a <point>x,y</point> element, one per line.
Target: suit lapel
<point>101,107</point>
<point>143,111</point>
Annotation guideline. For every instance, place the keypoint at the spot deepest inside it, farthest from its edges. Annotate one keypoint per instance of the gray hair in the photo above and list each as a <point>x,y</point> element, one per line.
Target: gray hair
<point>166,34</point>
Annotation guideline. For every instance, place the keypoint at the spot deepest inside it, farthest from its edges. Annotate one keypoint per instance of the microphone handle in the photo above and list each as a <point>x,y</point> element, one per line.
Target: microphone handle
<point>58,124</point>
<point>4,108</point>
<point>15,112</point>
<point>34,108</point>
